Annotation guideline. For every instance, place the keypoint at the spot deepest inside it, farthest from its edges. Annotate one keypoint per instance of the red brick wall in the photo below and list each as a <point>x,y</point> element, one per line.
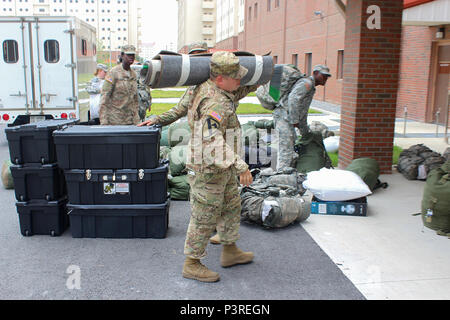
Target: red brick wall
<point>305,32</point>
<point>415,72</point>
<point>228,44</point>
<point>371,73</point>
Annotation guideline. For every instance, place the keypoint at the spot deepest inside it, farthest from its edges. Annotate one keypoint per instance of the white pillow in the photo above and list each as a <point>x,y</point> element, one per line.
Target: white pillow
<point>336,185</point>
<point>331,143</point>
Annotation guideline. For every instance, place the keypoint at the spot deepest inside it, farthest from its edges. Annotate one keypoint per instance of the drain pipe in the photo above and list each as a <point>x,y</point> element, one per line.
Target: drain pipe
<point>437,121</point>
<point>446,123</point>
<point>405,112</point>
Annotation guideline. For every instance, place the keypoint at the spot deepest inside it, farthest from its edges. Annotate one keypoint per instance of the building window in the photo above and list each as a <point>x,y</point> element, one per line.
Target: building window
<point>83,47</point>
<point>340,65</point>
<point>10,51</point>
<point>275,59</point>
<point>308,63</point>
<point>256,11</point>
<point>269,5</point>
<point>295,60</point>
<point>249,13</point>
<point>51,51</point>
<point>277,3</point>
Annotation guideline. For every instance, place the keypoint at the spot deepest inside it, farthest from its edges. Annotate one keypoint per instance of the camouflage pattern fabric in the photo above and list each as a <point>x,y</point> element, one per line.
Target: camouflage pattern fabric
<point>119,102</point>
<point>213,120</point>
<point>227,64</point>
<point>283,79</point>
<point>145,99</point>
<point>7,179</point>
<point>214,163</point>
<point>293,109</point>
<point>215,204</point>
<point>179,111</point>
<point>317,126</point>
<point>417,161</point>
<point>446,154</point>
<point>274,200</point>
<point>286,156</point>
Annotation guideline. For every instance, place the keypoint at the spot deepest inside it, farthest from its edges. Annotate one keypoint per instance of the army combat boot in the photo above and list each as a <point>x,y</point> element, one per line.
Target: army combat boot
<point>215,239</point>
<point>194,269</point>
<point>232,255</point>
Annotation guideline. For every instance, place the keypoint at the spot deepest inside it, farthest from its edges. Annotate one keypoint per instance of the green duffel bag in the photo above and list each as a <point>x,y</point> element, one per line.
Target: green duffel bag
<point>164,152</point>
<point>179,133</point>
<point>177,160</point>
<point>7,179</point>
<point>436,200</point>
<point>312,155</point>
<point>264,124</point>
<point>164,141</point>
<point>369,170</point>
<point>179,188</point>
<point>249,133</point>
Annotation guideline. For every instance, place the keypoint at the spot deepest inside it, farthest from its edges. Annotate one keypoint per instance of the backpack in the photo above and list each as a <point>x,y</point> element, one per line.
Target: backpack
<point>284,77</point>
<point>312,155</point>
<point>369,170</point>
<point>436,200</point>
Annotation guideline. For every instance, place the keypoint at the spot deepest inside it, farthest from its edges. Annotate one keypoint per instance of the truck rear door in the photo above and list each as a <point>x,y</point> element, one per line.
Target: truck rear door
<point>16,93</point>
<point>53,62</point>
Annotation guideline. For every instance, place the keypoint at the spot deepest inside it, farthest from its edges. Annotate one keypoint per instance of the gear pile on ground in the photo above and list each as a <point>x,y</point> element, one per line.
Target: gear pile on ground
<point>416,162</point>
<point>274,200</point>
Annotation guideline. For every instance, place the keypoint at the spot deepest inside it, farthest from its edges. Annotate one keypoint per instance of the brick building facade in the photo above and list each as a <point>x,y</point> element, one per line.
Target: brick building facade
<point>307,33</point>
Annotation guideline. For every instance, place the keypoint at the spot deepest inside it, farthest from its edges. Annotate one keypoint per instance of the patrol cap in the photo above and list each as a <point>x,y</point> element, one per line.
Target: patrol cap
<point>323,69</point>
<point>198,46</point>
<point>102,67</point>
<point>129,49</point>
<point>227,64</point>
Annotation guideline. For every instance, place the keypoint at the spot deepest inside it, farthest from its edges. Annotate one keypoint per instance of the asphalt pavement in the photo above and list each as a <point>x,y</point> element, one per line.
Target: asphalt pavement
<point>288,265</point>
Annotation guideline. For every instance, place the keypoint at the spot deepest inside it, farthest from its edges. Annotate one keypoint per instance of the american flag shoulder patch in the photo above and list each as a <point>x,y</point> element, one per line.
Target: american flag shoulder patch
<point>109,78</point>
<point>215,115</point>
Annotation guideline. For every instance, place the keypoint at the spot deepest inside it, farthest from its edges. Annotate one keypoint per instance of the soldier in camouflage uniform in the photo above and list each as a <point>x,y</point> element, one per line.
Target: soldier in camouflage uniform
<point>119,103</point>
<point>214,165</point>
<point>292,112</point>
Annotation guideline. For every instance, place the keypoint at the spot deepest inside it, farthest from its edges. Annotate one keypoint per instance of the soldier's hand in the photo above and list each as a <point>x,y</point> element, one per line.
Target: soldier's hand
<point>246,178</point>
<point>147,123</point>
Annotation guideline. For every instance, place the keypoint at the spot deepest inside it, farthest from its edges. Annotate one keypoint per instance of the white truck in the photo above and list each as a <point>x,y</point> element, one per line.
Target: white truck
<point>45,60</point>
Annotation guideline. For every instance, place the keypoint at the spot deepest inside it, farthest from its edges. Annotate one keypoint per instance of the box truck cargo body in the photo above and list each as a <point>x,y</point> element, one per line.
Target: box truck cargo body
<point>44,62</point>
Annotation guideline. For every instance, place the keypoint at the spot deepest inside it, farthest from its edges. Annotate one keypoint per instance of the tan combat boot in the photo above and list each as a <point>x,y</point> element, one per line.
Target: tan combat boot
<point>215,239</point>
<point>232,255</point>
<point>194,269</point>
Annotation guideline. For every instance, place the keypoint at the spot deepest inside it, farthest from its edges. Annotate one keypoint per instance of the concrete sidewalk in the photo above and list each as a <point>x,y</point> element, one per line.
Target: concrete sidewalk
<point>389,254</point>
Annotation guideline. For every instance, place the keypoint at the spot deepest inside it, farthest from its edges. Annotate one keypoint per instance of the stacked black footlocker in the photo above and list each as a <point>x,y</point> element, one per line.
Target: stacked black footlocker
<point>117,186</point>
<point>39,183</point>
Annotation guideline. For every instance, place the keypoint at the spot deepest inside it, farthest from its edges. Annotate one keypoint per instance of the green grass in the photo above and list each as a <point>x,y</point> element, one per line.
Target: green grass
<point>156,94</point>
<point>395,154</point>
<point>244,108</point>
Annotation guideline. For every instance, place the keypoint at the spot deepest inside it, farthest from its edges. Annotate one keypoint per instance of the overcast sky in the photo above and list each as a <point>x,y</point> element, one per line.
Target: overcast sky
<point>159,21</point>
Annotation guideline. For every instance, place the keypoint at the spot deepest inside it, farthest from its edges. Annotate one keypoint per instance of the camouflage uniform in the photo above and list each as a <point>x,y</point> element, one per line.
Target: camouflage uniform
<point>215,199</point>
<point>145,99</point>
<point>293,108</point>
<point>119,102</point>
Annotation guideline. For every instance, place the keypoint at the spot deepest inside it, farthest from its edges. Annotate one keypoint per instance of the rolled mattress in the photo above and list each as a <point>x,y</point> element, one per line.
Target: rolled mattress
<point>170,69</point>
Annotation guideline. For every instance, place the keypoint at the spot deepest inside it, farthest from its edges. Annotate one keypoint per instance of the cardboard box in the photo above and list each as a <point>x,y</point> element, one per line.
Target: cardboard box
<point>356,207</point>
